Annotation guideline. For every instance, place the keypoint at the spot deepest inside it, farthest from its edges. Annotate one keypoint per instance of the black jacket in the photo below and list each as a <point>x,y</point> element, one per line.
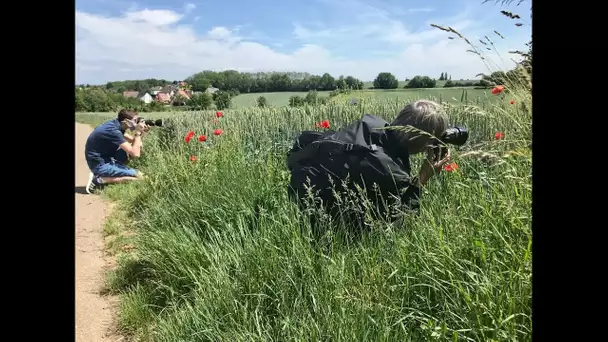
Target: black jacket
<point>362,152</point>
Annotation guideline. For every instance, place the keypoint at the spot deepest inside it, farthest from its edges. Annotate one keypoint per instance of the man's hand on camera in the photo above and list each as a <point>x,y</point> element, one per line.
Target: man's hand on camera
<point>141,127</point>
<point>430,167</point>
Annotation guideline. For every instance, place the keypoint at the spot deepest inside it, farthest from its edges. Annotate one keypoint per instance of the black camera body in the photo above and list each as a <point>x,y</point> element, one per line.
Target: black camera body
<point>456,135</point>
<point>158,123</point>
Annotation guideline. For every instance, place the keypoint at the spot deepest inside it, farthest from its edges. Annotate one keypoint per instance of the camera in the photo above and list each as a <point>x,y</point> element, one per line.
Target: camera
<point>158,123</point>
<point>454,136</point>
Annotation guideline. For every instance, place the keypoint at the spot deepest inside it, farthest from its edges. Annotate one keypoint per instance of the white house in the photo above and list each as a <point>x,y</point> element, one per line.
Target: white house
<point>211,90</point>
<point>147,98</point>
<point>155,90</point>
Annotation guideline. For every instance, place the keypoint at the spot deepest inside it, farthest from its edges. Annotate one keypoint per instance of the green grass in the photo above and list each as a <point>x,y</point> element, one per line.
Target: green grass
<point>274,99</point>
<point>220,254</point>
<point>447,94</point>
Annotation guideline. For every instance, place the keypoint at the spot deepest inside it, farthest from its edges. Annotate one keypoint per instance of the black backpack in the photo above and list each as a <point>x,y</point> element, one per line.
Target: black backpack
<point>357,152</point>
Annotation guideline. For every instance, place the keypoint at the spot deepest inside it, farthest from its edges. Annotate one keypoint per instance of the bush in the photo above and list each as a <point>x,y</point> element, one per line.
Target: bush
<point>421,82</point>
<point>296,101</point>
<point>222,100</point>
<point>200,101</point>
<point>262,102</point>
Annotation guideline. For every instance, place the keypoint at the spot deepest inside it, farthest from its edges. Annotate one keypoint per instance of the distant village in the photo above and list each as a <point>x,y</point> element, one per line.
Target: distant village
<point>166,94</point>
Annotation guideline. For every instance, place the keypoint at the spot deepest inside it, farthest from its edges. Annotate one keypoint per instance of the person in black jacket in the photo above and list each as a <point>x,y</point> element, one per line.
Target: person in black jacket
<point>367,156</point>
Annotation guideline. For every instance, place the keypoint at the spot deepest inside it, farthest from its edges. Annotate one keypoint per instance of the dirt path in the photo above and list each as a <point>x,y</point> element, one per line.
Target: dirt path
<point>94,313</point>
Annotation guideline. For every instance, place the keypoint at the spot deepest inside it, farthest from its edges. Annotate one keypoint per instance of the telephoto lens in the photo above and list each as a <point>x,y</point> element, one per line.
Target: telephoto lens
<point>158,123</point>
<point>454,136</point>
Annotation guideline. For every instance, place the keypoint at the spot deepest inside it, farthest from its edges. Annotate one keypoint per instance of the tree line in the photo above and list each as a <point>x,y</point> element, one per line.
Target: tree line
<point>242,82</point>
<point>268,82</point>
<point>98,99</point>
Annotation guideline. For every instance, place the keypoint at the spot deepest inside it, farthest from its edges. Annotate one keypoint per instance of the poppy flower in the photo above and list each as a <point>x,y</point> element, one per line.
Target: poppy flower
<point>325,124</point>
<point>192,158</point>
<point>189,136</point>
<point>219,114</point>
<point>512,102</point>
<point>451,167</point>
<point>499,135</point>
<point>218,131</point>
<point>497,90</point>
<point>202,138</point>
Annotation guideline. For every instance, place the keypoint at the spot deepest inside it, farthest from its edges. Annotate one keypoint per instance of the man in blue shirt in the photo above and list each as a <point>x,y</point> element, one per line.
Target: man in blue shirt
<point>108,148</point>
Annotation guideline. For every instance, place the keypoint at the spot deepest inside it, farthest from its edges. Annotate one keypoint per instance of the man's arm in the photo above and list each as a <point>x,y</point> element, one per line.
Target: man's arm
<point>409,189</point>
<point>133,148</point>
<point>129,138</point>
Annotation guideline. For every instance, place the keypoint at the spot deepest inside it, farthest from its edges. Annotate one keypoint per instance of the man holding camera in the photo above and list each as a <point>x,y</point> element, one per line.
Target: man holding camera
<point>372,158</point>
<point>108,148</point>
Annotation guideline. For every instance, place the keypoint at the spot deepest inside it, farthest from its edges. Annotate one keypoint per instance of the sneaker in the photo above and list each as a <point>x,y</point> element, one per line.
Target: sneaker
<point>92,184</point>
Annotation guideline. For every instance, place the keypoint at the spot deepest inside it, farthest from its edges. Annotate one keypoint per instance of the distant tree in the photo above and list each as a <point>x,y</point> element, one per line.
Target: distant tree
<point>262,102</point>
<point>421,82</point>
<point>200,101</point>
<point>311,97</point>
<point>386,80</point>
<point>296,101</point>
<point>222,100</point>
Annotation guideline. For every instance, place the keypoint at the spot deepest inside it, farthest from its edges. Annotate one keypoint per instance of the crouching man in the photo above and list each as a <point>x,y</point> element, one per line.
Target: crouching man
<point>108,148</point>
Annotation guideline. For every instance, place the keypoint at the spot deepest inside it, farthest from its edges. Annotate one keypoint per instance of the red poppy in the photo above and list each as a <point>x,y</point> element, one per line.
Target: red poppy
<point>192,158</point>
<point>499,135</point>
<point>512,102</point>
<point>189,136</point>
<point>497,90</point>
<point>218,131</point>
<point>202,138</point>
<point>219,114</point>
<point>451,167</point>
<point>325,124</point>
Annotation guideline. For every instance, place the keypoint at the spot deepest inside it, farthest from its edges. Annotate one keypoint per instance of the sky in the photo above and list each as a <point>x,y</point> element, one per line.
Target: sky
<point>127,40</point>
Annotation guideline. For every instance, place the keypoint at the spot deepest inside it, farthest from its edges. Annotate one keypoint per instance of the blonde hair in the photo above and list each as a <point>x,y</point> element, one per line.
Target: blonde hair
<point>424,115</point>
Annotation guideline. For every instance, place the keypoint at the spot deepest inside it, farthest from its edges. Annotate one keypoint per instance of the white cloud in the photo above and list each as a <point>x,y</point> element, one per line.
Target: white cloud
<point>156,43</point>
<point>189,7</point>
<point>154,17</point>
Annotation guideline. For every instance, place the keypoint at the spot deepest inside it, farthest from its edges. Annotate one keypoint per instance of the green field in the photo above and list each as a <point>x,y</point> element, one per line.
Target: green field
<point>221,255</point>
<point>446,94</point>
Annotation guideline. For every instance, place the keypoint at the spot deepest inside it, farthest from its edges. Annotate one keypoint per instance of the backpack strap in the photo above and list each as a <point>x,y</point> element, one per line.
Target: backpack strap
<point>325,147</point>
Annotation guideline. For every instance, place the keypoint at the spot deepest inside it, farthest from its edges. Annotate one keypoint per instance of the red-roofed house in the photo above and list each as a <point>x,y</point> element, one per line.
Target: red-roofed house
<point>133,94</point>
<point>184,94</point>
<point>163,98</point>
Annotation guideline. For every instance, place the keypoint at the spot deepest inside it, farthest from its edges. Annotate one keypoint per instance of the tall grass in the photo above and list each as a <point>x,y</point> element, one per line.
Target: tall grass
<point>221,254</point>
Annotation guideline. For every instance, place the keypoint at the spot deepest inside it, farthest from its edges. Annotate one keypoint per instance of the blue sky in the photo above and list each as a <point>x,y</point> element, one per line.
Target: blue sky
<point>117,40</point>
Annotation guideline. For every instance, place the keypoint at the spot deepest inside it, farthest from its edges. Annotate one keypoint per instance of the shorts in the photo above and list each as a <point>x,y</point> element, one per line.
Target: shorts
<point>113,170</point>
